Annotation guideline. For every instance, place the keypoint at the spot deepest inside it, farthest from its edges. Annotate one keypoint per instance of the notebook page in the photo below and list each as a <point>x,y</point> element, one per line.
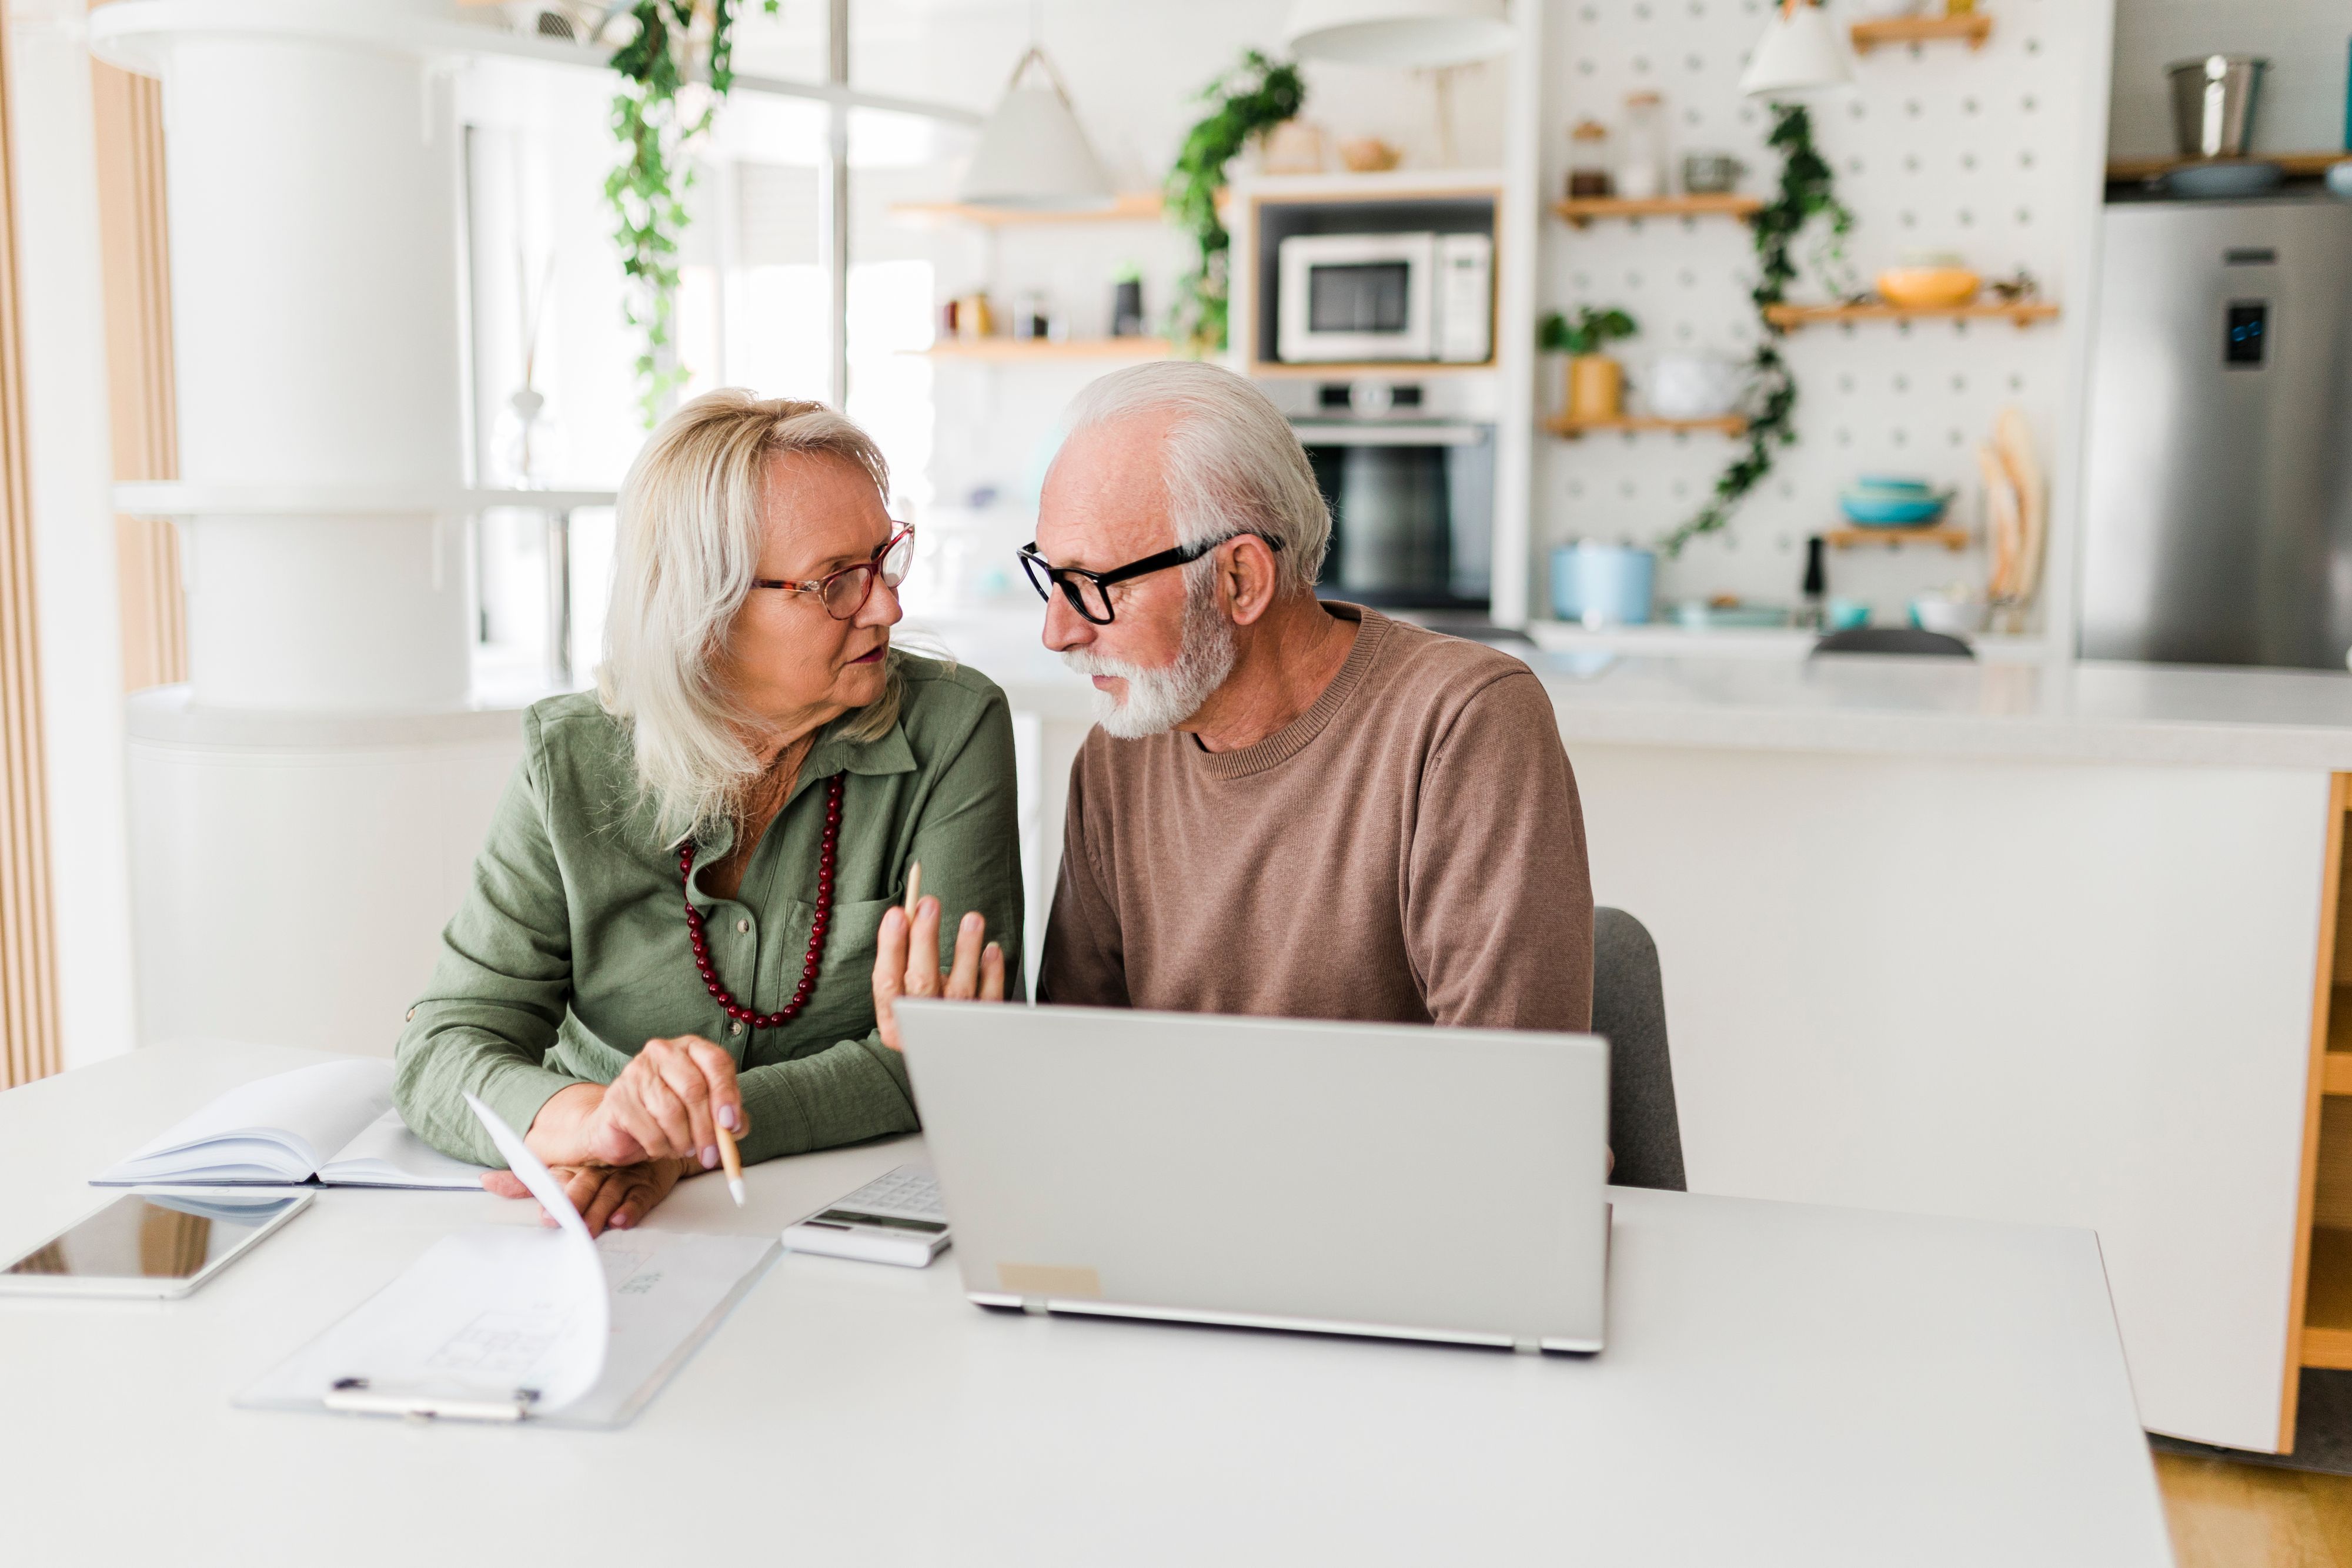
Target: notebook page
<point>386,1153</point>
<point>273,1129</point>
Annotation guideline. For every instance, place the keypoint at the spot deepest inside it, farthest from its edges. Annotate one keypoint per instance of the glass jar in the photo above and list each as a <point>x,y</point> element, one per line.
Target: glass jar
<point>1642,149</point>
<point>1588,161</point>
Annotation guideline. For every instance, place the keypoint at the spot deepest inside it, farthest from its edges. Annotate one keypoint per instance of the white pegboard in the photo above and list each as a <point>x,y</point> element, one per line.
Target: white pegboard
<point>1938,147</point>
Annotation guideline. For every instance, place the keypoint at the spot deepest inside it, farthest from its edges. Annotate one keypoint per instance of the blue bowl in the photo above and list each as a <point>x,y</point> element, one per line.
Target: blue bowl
<point>1885,483</point>
<point>1882,511</point>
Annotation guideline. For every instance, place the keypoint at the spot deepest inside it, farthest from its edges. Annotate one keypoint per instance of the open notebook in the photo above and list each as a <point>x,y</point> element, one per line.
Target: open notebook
<point>333,1122</point>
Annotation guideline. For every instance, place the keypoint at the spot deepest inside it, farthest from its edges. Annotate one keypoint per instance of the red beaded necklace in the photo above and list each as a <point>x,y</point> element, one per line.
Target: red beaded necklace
<point>726,999</point>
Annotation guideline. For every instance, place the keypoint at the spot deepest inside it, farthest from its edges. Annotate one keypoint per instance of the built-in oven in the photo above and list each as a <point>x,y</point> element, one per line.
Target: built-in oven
<point>1408,465</point>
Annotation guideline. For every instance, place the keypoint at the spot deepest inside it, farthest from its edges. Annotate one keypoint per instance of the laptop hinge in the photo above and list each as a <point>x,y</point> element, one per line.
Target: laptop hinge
<point>1035,1304</point>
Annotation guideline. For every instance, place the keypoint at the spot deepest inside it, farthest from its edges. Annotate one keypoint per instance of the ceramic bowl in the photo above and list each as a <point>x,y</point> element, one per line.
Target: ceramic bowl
<point>1881,509</point>
<point>1952,617</point>
<point>1695,386</point>
<point>1929,288</point>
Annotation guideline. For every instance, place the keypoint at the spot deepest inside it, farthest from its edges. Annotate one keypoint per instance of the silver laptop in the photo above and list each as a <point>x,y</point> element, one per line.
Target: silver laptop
<point>1417,1183</point>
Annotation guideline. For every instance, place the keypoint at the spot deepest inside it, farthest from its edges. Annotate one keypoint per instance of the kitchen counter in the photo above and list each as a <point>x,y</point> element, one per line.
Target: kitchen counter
<point>2088,711</point>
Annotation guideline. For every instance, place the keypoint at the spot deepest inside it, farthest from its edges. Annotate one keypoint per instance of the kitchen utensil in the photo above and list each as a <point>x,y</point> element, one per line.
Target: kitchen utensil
<point>2004,523</point>
<point>1929,285</point>
<point>2023,465</point>
<point>1710,173</point>
<point>1368,154</point>
<point>2213,104</point>
<point>2222,180</point>
<point>1700,615</point>
<point>1694,386</point>
<point>1603,585</point>
<point>1952,617</point>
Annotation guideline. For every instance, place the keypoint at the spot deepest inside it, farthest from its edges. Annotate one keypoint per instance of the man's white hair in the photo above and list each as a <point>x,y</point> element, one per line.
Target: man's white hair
<point>1232,464</point>
<point>690,527</point>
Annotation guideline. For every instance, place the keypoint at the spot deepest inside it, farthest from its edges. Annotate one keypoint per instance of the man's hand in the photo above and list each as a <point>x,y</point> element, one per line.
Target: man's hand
<point>663,1105</point>
<point>903,964</point>
<point>604,1196</point>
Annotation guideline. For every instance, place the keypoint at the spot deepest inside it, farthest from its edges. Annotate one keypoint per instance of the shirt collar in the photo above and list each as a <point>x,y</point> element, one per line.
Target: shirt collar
<point>833,753</point>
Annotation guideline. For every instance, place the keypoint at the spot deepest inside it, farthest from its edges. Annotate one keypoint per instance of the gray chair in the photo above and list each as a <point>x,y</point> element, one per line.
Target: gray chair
<point>1629,1010</point>
<point>1894,640</point>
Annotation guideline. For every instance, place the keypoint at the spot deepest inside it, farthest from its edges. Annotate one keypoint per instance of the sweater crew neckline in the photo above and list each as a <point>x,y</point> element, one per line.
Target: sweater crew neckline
<point>1295,736</point>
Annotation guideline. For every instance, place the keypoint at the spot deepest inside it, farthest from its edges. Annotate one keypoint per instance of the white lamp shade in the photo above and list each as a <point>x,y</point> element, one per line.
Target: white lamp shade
<point>1797,53</point>
<point>1398,32</point>
<point>1032,155</point>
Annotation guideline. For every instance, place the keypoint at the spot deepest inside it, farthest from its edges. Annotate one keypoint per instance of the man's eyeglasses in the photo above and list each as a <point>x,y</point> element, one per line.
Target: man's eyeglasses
<point>1090,591</point>
<point>844,593</point>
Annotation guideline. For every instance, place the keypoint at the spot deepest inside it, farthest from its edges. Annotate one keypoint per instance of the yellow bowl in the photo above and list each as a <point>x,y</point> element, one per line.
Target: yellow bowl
<point>1929,288</point>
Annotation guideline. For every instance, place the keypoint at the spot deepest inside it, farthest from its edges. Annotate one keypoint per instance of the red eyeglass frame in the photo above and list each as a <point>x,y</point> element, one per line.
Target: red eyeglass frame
<point>871,566</point>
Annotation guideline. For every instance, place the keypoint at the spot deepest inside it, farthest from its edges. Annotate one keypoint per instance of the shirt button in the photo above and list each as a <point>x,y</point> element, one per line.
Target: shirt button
<point>735,1028</point>
<point>742,926</point>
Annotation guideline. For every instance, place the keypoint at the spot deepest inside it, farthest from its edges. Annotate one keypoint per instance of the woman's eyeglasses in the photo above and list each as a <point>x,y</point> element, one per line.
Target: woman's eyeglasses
<point>1090,591</point>
<point>844,593</point>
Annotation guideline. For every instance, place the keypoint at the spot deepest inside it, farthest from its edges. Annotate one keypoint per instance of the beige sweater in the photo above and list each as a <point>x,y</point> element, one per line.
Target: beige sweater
<point>1408,850</point>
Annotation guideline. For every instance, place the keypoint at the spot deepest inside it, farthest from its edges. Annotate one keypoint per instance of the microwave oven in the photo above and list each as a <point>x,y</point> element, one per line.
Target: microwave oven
<point>1390,297</point>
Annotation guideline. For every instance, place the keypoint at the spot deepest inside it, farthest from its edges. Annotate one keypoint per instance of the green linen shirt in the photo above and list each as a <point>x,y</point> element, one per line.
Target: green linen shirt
<point>571,949</point>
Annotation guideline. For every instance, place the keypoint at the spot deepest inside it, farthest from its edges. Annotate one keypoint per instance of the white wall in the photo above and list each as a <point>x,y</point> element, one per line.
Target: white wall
<point>63,314</point>
<point>1986,154</point>
<point>2301,107</point>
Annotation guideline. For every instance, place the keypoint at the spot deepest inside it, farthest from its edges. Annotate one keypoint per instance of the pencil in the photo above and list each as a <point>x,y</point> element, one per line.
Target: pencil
<point>914,886</point>
<point>733,1161</point>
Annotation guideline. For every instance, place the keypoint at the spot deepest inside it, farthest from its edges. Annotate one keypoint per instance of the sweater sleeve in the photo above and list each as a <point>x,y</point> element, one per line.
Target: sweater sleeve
<point>1499,914</point>
<point>1085,961</point>
<point>500,987</point>
<point>968,840</point>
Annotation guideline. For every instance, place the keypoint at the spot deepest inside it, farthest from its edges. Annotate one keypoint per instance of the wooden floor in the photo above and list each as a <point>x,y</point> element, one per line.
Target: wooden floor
<point>2229,1515</point>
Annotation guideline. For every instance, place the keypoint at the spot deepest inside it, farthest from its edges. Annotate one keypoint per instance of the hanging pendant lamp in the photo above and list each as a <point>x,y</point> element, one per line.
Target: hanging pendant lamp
<point>1033,156</point>
<point>1398,32</point>
<point>1799,53</point>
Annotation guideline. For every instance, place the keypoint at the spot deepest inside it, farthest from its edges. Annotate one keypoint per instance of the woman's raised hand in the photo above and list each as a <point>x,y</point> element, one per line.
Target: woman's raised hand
<point>904,966</point>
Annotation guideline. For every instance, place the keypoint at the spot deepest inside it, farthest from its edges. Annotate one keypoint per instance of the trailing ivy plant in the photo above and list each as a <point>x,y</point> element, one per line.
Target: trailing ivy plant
<point>1253,97</point>
<point>677,52</point>
<point>1807,193</point>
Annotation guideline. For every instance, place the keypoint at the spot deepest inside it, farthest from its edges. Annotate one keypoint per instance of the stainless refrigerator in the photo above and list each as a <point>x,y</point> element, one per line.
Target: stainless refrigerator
<point>2218,484</point>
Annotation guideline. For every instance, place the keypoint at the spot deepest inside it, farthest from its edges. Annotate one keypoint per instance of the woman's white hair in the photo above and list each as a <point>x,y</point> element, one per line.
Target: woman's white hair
<point>689,536</point>
<point>1232,462</point>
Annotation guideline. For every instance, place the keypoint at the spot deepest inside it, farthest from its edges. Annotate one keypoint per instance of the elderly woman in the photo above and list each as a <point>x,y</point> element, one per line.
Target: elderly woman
<point>687,912</point>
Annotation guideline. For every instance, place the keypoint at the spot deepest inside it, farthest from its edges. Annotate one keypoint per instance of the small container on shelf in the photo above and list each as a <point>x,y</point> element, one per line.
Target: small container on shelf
<point>1588,162</point>
<point>1642,149</point>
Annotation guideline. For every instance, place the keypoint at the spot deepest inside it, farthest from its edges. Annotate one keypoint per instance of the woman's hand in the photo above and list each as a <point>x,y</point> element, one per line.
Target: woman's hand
<point>903,965</point>
<point>604,1196</point>
<point>663,1105</point>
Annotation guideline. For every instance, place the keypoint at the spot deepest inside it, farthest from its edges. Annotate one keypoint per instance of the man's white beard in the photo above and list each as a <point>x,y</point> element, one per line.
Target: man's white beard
<point>1158,700</point>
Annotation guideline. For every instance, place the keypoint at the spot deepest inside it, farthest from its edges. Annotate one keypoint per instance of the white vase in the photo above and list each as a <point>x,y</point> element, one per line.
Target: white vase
<point>1694,386</point>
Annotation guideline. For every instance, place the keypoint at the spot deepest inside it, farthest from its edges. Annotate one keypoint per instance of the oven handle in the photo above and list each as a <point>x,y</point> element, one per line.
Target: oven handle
<point>1342,434</point>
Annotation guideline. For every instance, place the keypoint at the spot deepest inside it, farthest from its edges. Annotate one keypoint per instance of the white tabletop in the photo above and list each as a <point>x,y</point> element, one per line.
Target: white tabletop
<point>1782,1384</point>
<point>2059,711</point>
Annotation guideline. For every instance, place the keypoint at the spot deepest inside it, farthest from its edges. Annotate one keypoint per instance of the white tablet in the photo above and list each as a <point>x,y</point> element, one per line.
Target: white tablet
<point>150,1244</point>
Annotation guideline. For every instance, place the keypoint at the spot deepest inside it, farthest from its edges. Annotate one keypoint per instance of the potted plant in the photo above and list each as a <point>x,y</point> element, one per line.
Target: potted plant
<point>1596,383</point>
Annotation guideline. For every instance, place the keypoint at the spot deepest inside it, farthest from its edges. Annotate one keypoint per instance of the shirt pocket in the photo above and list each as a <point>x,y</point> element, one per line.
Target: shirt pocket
<point>842,1005</point>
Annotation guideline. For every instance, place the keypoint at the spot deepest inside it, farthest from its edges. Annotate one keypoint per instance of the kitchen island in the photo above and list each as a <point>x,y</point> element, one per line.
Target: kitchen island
<point>2043,942</point>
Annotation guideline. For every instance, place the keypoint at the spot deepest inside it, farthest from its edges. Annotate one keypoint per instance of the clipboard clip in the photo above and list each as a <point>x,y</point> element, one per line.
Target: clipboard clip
<point>356,1395</point>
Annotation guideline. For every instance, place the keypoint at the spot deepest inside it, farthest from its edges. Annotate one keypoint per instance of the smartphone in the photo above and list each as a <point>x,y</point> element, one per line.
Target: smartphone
<point>149,1245</point>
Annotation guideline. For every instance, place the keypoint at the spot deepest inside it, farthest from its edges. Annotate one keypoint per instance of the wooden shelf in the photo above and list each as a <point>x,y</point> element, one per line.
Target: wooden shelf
<point>1954,540</point>
<point>1790,318</point>
<point>2327,1301</point>
<point>1129,207</point>
<point>1000,350</point>
<point>1729,424</point>
<point>1974,26</point>
<point>1581,210</point>
<point>1401,370</point>
<point>2304,164</point>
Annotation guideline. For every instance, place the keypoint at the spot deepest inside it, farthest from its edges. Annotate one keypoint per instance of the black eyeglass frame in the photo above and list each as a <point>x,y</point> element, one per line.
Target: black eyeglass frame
<point>872,566</point>
<point>1034,563</point>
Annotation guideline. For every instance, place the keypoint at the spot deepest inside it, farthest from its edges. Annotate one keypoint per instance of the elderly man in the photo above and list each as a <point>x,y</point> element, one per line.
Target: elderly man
<point>1289,807</point>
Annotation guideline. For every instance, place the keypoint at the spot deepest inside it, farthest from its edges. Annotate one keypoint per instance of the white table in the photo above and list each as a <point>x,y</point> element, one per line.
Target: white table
<point>1782,1384</point>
